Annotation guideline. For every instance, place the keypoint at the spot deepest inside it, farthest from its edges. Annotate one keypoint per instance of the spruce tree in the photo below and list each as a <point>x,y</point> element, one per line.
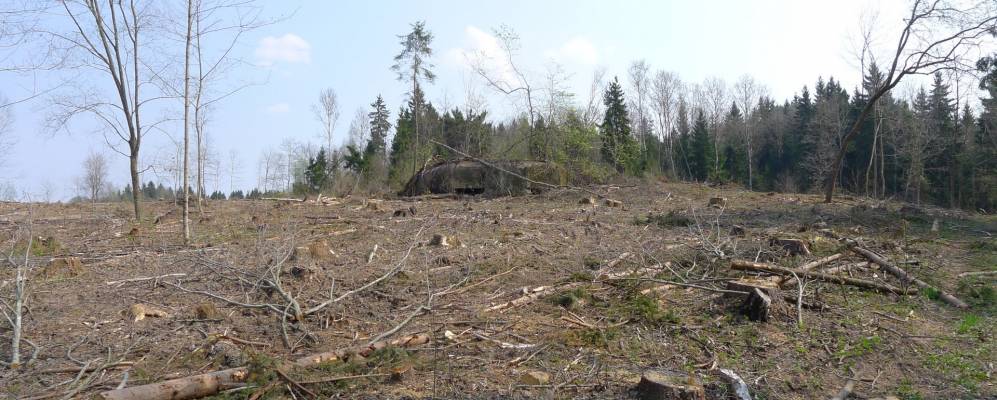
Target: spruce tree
<point>317,173</point>
<point>618,146</point>
<point>701,149</point>
<point>379,127</point>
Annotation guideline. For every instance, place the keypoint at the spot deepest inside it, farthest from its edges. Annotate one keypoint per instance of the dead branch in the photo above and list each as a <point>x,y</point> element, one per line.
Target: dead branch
<point>148,278</point>
<point>904,276</point>
<point>841,280</point>
<point>210,383</point>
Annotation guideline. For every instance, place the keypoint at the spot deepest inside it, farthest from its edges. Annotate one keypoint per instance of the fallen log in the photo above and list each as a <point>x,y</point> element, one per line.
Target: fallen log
<point>789,281</point>
<point>904,276</point>
<point>976,273</point>
<point>841,280</point>
<point>197,386</point>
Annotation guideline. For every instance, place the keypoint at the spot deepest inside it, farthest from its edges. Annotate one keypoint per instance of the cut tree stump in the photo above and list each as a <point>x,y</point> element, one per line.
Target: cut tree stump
<point>757,306</point>
<point>748,284</point>
<point>665,385</point>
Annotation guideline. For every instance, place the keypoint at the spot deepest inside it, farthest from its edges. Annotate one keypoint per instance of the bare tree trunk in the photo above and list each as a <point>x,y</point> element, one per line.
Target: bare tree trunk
<point>133,168</point>
<point>186,124</point>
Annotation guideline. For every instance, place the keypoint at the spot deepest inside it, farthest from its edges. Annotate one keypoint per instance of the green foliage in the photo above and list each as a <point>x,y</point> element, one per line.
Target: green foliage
<point>619,148</point>
<point>968,323</point>
<point>317,172</point>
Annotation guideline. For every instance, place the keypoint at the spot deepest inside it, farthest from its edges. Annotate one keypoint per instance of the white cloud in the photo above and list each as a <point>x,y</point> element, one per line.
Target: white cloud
<point>289,48</point>
<point>578,50</point>
<point>278,108</point>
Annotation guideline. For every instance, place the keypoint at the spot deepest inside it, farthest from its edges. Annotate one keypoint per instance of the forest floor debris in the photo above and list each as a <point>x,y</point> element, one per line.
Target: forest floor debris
<point>534,296</point>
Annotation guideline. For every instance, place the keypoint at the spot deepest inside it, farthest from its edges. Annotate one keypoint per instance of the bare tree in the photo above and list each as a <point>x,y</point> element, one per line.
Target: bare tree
<point>640,81</point>
<point>665,87</point>
<point>360,129</point>
<point>13,311</point>
<point>716,100</point>
<point>937,35</point>
<point>94,176</point>
<point>593,108</point>
<point>234,166</point>
<point>327,113</point>
<point>219,25</point>
<point>186,121</point>
<point>6,122</point>
<point>110,38</point>
<point>747,92</point>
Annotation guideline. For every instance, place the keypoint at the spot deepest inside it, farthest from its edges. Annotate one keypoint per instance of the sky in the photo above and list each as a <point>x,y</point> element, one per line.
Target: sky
<point>349,46</point>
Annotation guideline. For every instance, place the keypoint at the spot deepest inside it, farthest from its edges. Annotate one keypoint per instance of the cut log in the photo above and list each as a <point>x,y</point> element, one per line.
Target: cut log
<point>757,305</point>
<point>904,276</point>
<point>664,385</point>
<point>773,269</point>
<point>748,284</point>
<point>197,386</point>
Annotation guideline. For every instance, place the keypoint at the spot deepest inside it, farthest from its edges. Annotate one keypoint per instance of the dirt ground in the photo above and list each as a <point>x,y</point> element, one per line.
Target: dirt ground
<point>592,331</point>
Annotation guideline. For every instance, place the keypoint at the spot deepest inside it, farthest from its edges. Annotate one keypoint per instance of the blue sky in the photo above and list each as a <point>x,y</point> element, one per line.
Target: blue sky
<point>349,46</point>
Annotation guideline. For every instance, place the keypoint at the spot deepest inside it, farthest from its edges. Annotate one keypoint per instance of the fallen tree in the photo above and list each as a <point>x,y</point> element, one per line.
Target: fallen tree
<point>742,265</point>
<point>904,277</point>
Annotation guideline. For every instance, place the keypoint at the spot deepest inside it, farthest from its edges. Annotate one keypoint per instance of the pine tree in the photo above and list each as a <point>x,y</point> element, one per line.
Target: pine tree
<point>618,146</point>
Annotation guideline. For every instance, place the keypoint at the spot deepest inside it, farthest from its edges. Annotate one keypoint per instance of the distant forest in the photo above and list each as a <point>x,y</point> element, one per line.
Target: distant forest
<point>925,148</point>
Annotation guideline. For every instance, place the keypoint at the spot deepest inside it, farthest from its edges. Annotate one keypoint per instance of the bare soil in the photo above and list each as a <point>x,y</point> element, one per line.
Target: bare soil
<point>594,337</point>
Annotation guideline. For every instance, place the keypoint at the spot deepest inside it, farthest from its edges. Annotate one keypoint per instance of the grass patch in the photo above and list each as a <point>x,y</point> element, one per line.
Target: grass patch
<point>968,323</point>
<point>962,366</point>
<point>591,337</point>
<point>573,299</point>
<point>647,309</point>
<point>669,220</point>
<point>864,346</point>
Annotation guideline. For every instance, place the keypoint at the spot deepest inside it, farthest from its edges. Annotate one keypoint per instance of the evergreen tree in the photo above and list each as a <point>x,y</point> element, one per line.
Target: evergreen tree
<point>379,127</point>
<point>700,149</point>
<point>618,146</point>
<point>317,172</point>
<point>942,165</point>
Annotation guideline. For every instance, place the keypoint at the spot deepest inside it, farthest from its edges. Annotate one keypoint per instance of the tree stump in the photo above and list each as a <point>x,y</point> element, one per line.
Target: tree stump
<point>757,306</point>
<point>665,385</point>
